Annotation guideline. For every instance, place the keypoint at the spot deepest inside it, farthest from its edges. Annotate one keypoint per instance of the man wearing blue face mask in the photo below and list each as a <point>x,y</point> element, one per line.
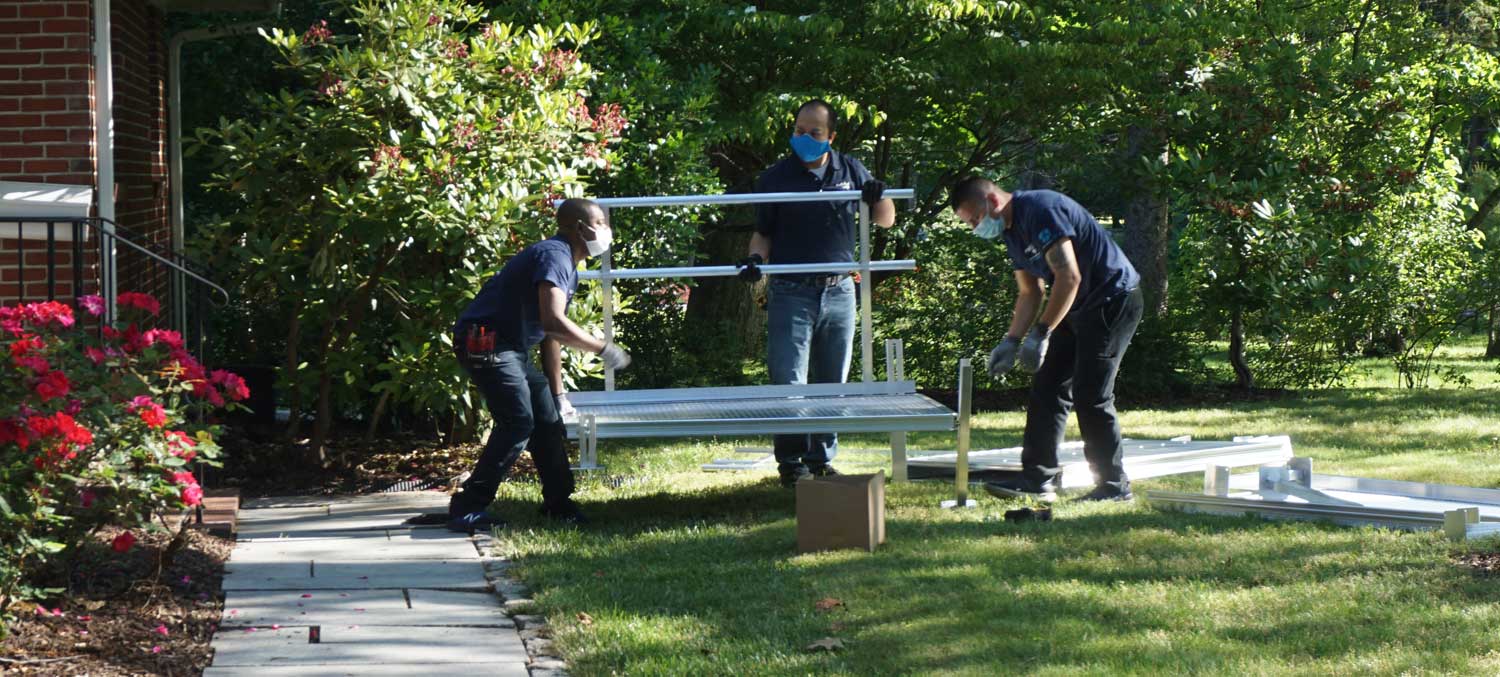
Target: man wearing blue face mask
<point>1074,348</point>
<point>811,317</point>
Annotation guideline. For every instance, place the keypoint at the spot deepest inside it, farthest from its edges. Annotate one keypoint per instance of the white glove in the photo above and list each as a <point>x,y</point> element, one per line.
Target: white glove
<point>614,357</point>
<point>564,407</point>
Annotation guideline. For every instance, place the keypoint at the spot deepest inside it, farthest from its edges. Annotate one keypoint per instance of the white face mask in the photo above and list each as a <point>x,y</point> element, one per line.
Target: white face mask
<point>601,245</point>
<point>989,226</point>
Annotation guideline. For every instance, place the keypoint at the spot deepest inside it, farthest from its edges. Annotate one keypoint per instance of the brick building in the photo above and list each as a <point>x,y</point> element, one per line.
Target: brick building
<point>54,110</point>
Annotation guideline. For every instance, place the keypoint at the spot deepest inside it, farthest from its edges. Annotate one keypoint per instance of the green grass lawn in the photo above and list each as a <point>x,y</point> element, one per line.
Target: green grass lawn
<point>692,573</point>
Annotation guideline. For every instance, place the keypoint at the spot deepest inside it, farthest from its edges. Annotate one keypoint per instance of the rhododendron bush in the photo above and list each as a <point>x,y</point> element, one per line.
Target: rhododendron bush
<point>95,427</point>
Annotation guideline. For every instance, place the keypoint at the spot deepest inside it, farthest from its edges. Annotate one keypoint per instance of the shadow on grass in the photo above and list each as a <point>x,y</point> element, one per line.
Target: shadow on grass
<point>1132,588</point>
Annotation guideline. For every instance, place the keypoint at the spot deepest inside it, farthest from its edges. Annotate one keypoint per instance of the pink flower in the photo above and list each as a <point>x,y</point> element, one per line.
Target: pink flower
<point>317,33</point>
<point>144,302</point>
<point>37,364</point>
<point>95,355</point>
<point>123,542</point>
<point>160,630</point>
<point>156,649</point>
<point>170,338</point>
<point>74,406</point>
<point>233,385</point>
<point>192,494</point>
<point>183,478</point>
<point>93,304</point>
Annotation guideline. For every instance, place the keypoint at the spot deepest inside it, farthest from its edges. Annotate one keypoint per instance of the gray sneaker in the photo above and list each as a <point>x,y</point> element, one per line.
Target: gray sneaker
<point>1021,487</point>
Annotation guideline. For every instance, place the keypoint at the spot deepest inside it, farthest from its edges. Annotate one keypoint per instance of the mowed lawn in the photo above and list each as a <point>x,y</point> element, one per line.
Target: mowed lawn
<point>685,572</point>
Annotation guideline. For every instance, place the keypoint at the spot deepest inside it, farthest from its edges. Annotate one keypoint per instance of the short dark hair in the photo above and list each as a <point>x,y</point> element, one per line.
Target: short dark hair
<point>574,212</point>
<point>968,190</point>
<point>833,116</point>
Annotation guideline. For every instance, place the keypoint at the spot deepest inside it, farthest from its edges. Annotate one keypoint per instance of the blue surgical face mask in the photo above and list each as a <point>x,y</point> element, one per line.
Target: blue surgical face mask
<point>807,148</point>
<point>989,226</point>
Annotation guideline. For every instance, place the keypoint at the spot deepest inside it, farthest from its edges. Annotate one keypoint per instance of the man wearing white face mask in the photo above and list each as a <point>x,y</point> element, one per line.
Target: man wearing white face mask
<point>1074,347</point>
<point>521,307</point>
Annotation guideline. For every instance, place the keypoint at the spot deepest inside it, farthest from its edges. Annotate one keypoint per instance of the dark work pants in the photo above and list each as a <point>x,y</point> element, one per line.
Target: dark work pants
<point>520,401</point>
<point>1078,373</point>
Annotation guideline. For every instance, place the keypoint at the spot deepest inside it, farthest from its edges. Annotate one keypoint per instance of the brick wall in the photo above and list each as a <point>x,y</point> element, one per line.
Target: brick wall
<point>46,81</point>
<point>47,130</point>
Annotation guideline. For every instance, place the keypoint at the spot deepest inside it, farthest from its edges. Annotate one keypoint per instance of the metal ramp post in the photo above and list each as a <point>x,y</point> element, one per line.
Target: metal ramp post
<point>895,371</point>
<point>961,468</point>
<point>866,281</point>
<point>607,292</point>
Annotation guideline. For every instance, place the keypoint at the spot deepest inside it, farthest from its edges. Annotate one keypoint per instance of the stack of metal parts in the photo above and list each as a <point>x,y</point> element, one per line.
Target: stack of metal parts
<point>1293,491</point>
<point>1143,459</point>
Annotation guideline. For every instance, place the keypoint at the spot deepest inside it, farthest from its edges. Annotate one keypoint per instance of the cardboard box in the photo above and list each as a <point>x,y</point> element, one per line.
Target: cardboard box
<point>841,511</point>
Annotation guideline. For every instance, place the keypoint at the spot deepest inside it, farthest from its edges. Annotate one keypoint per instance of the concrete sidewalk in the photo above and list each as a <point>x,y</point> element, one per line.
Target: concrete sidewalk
<point>328,587</point>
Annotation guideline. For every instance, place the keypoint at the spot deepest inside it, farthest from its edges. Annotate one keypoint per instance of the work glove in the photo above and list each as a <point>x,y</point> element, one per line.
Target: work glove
<point>1034,348</point>
<point>1003,357</point>
<point>614,357</point>
<point>750,268</point>
<point>872,190</point>
<point>564,407</point>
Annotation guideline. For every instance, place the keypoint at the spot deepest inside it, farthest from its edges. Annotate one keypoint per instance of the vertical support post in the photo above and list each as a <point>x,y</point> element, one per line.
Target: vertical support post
<point>895,372</point>
<point>961,467</point>
<point>866,282</point>
<point>607,288</point>
<point>1456,524</point>
<point>1216,480</point>
<point>104,154</point>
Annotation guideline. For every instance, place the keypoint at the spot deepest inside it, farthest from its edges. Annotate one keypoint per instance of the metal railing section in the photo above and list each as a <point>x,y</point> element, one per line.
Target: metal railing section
<point>607,274</point>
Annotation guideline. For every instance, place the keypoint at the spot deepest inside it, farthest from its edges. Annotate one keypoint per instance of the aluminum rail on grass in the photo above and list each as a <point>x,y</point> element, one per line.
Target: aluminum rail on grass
<point>1338,514</point>
<point>607,274</point>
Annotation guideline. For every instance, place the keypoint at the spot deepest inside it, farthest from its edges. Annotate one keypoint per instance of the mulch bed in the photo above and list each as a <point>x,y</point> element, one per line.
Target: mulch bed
<point>259,464</point>
<point>1483,564</point>
<point>122,617</point>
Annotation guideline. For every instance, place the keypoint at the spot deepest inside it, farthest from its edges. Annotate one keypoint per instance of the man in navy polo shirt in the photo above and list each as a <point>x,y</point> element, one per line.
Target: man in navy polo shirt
<point>811,317</point>
<point>1074,348</point>
<point>519,308</point>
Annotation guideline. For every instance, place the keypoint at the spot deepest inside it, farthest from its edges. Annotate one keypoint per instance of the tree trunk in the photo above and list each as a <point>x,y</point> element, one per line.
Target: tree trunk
<point>293,338</point>
<point>725,310</point>
<point>1492,349</point>
<point>1147,230</point>
<point>1243,379</point>
<point>380,405</point>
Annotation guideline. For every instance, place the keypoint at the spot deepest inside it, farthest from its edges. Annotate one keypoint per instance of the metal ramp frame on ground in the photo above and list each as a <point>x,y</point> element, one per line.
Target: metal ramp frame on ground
<point>1292,491</point>
<point>1143,459</point>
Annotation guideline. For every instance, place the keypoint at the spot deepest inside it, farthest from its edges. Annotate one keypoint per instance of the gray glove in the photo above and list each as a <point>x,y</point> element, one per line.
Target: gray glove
<point>614,357</point>
<point>1034,349</point>
<point>1003,357</point>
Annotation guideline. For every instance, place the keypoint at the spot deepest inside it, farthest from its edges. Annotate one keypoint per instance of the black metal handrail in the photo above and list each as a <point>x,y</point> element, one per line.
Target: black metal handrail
<point>134,266</point>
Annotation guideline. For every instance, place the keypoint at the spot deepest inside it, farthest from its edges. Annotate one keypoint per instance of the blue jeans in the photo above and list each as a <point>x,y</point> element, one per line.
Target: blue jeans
<point>811,339</point>
<point>520,401</point>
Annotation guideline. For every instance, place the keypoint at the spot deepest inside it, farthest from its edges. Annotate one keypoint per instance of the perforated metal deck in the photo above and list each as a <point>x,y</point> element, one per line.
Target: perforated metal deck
<point>760,410</point>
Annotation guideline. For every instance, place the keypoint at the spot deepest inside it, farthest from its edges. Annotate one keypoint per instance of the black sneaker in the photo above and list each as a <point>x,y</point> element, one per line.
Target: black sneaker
<point>474,521</point>
<point>824,470</point>
<point>1109,491</point>
<point>791,473</point>
<point>566,514</point>
<point>1021,487</point>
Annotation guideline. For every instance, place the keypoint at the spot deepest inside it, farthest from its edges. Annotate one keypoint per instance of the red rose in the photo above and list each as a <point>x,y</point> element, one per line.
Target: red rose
<point>52,386</point>
<point>192,494</point>
<point>123,542</point>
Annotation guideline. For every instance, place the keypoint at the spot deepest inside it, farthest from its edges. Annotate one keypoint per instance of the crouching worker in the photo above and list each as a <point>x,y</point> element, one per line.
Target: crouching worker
<point>522,306</point>
<point>1073,345</point>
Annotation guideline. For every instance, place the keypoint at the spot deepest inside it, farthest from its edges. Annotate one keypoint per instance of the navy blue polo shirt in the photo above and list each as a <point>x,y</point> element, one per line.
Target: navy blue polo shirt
<point>508,305</point>
<point>811,232</point>
<point>1042,218</point>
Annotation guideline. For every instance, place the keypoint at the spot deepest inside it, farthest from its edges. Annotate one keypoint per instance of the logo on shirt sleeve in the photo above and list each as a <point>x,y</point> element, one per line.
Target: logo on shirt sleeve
<point>1045,236</point>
